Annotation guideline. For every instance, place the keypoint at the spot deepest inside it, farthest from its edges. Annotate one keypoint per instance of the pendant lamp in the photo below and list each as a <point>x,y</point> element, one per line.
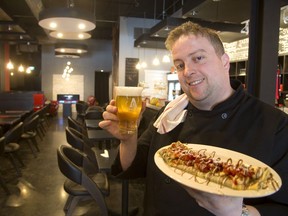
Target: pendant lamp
<point>70,48</point>
<point>66,20</point>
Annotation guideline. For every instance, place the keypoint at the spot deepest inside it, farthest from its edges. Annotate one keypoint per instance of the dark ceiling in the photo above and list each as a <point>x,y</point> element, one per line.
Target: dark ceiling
<point>19,18</point>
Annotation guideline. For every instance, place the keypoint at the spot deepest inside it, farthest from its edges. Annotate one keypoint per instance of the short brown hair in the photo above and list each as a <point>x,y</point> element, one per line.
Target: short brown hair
<point>190,28</point>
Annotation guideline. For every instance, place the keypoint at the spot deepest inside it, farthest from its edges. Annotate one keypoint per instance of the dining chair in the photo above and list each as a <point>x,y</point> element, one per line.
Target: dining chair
<point>93,114</point>
<point>82,184</point>
<point>30,132</point>
<point>73,123</point>
<point>78,141</point>
<point>12,137</point>
<point>81,107</point>
<point>2,181</point>
<point>40,127</point>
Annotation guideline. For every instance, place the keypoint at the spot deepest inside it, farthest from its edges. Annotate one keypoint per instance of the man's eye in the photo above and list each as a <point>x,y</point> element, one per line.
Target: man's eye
<point>179,67</point>
<point>198,58</point>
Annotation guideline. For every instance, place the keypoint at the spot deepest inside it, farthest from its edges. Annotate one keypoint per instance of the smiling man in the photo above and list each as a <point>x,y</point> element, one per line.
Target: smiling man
<point>214,111</point>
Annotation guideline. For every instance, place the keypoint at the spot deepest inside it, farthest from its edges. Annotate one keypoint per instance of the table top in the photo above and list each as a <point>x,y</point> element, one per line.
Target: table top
<point>15,113</point>
<point>98,135</point>
<point>105,158</point>
<point>9,120</point>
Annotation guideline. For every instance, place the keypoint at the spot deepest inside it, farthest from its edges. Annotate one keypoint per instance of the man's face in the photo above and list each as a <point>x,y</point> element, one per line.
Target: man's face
<point>203,75</point>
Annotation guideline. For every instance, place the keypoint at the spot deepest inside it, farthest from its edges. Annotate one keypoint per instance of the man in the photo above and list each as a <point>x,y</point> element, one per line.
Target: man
<point>212,111</point>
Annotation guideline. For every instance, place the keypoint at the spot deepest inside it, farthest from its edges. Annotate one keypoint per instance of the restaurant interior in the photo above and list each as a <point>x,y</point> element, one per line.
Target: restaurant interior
<point>55,82</point>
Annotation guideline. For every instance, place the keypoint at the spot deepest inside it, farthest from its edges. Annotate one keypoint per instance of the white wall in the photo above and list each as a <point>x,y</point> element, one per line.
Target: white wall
<point>127,49</point>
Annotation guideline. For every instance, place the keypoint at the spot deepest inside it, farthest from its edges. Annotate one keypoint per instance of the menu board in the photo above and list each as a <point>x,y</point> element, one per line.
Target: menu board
<point>238,50</point>
<point>131,73</point>
<point>283,41</point>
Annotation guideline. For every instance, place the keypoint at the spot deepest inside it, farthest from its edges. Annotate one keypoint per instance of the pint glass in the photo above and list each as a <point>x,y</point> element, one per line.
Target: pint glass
<point>129,104</point>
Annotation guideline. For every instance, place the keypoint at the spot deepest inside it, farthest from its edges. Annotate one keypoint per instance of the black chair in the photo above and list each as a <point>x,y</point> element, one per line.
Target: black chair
<point>73,123</point>
<point>2,181</point>
<point>79,141</point>
<point>93,114</point>
<point>81,107</point>
<point>12,137</point>
<point>95,108</point>
<point>81,183</point>
<point>30,132</point>
<point>40,126</point>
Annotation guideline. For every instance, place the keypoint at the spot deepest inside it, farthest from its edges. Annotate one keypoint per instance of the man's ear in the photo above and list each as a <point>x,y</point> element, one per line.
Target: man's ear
<point>226,61</point>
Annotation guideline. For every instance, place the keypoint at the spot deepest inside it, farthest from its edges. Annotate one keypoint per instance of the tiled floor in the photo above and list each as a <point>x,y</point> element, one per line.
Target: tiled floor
<point>39,191</point>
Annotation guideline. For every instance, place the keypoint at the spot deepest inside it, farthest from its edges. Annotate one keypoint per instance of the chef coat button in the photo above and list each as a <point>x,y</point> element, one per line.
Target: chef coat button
<point>224,115</point>
<point>189,113</point>
<point>167,180</point>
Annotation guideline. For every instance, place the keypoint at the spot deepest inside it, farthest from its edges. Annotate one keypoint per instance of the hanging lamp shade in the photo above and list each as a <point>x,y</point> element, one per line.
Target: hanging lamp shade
<point>66,20</point>
<point>70,35</point>
<point>71,48</point>
<point>67,55</point>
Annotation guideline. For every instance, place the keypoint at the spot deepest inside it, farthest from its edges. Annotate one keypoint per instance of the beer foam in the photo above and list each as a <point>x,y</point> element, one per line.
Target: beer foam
<point>128,91</point>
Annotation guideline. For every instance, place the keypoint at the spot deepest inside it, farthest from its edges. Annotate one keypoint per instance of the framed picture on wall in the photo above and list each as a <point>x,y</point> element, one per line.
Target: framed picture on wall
<point>131,73</point>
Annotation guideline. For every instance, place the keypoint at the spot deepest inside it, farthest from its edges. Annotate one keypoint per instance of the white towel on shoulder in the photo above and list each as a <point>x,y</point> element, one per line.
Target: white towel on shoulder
<point>173,114</point>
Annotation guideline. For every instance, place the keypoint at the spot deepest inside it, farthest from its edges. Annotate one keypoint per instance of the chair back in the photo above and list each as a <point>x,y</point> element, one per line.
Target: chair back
<point>31,124</point>
<point>72,123</point>
<point>2,145</point>
<point>81,107</point>
<point>94,114</point>
<point>14,134</point>
<point>70,163</point>
<point>77,141</point>
<point>95,108</point>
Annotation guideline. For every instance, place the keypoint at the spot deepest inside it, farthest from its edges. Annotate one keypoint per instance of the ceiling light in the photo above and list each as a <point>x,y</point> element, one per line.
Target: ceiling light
<point>138,66</point>
<point>166,59</point>
<point>66,20</point>
<point>156,61</point>
<point>10,65</point>
<point>21,68</point>
<point>67,55</point>
<point>143,64</point>
<point>70,35</point>
<point>70,48</point>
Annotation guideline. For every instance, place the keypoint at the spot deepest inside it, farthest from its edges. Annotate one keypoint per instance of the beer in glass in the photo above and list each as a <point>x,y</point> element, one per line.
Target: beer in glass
<point>129,104</point>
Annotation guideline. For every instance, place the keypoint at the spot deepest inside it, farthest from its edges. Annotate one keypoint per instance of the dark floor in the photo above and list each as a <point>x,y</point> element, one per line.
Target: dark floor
<point>39,191</point>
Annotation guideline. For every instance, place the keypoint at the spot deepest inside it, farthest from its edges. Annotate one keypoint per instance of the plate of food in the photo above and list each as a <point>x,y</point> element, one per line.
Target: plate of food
<point>217,170</point>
